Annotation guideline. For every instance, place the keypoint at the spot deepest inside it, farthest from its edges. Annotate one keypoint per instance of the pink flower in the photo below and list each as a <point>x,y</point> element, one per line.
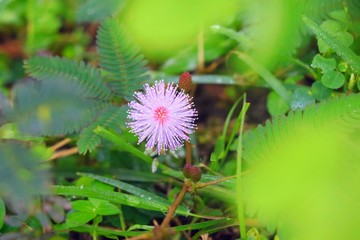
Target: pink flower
<point>163,116</point>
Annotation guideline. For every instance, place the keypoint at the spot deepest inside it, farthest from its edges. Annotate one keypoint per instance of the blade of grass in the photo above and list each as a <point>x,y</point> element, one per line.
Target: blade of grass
<point>194,226</point>
<point>273,82</point>
<point>125,146</point>
<point>2,212</point>
<point>136,191</point>
<point>240,37</point>
<point>346,53</point>
<point>240,204</point>
<point>236,127</point>
<point>100,230</point>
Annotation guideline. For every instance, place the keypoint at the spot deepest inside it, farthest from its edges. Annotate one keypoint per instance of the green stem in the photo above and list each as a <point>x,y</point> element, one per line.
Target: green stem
<point>125,146</point>
<point>240,204</point>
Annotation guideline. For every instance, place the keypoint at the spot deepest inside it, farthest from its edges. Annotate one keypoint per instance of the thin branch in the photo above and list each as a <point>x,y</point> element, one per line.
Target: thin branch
<point>174,206</point>
<point>64,153</point>
<point>60,144</point>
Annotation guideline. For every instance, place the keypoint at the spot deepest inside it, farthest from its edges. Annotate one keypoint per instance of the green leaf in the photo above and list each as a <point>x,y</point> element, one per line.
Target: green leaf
<point>94,10</point>
<point>333,79</point>
<point>99,207</point>
<point>299,169</point>
<point>106,208</point>
<point>75,219</point>
<point>338,31</point>
<point>52,108</point>
<point>325,64</point>
<point>115,197</point>
<point>83,77</point>
<point>126,67</point>
<point>276,105</point>
<point>23,172</point>
<point>301,98</point>
<point>340,49</point>
<point>145,195</point>
<point>2,212</point>
<point>111,118</point>
<point>319,91</point>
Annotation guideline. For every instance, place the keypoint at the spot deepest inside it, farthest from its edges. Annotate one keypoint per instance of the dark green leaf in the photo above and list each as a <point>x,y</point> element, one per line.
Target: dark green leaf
<point>319,91</point>
<point>23,173</point>
<point>53,108</point>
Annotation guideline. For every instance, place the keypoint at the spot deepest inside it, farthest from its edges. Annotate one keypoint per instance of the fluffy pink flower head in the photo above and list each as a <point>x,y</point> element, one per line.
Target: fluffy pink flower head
<point>163,116</point>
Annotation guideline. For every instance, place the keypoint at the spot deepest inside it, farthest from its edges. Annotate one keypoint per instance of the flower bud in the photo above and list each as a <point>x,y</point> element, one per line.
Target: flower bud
<point>185,81</point>
<point>187,170</point>
<point>195,174</point>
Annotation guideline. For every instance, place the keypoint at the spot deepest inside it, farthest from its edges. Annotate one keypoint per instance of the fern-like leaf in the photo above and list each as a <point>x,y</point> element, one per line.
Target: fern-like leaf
<point>127,68</point>
<point>303,172</point>
<point>95,10</point>
<point>52,108</point>
<point>22,173</point>
<point>111,118</point>
<point>85,78</point>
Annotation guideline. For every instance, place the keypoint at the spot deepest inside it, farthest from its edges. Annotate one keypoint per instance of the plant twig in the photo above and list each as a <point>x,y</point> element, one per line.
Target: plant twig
<point>174,206</point>
<point>60,144</point>
<point>201,52</point>
<point>188,152</point>
<point>64,153</point>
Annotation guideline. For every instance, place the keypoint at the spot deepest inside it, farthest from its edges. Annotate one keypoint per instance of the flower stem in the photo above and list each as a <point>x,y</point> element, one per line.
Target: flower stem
<point>174,206</point>
<point>188,152</point>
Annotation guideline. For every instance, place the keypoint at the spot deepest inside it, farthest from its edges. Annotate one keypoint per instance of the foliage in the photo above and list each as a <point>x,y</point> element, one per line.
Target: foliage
<point>126,67</point>
<point>24,172</point>
<point>296,175</point>
<point>305,156</point>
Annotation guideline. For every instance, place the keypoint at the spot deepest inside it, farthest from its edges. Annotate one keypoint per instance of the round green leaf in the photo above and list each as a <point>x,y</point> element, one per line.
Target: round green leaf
<point>319,91</point>
<point>276,105</point>
<point>333,79</point>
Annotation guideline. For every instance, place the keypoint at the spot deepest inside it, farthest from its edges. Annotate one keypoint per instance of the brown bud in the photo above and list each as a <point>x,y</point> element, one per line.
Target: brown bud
<point>185,81</point>
<point>195,174</point>
<point>187,170</point>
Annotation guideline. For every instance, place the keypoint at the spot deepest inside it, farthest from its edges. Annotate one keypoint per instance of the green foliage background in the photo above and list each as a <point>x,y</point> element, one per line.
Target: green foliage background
<point>297,174</point>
